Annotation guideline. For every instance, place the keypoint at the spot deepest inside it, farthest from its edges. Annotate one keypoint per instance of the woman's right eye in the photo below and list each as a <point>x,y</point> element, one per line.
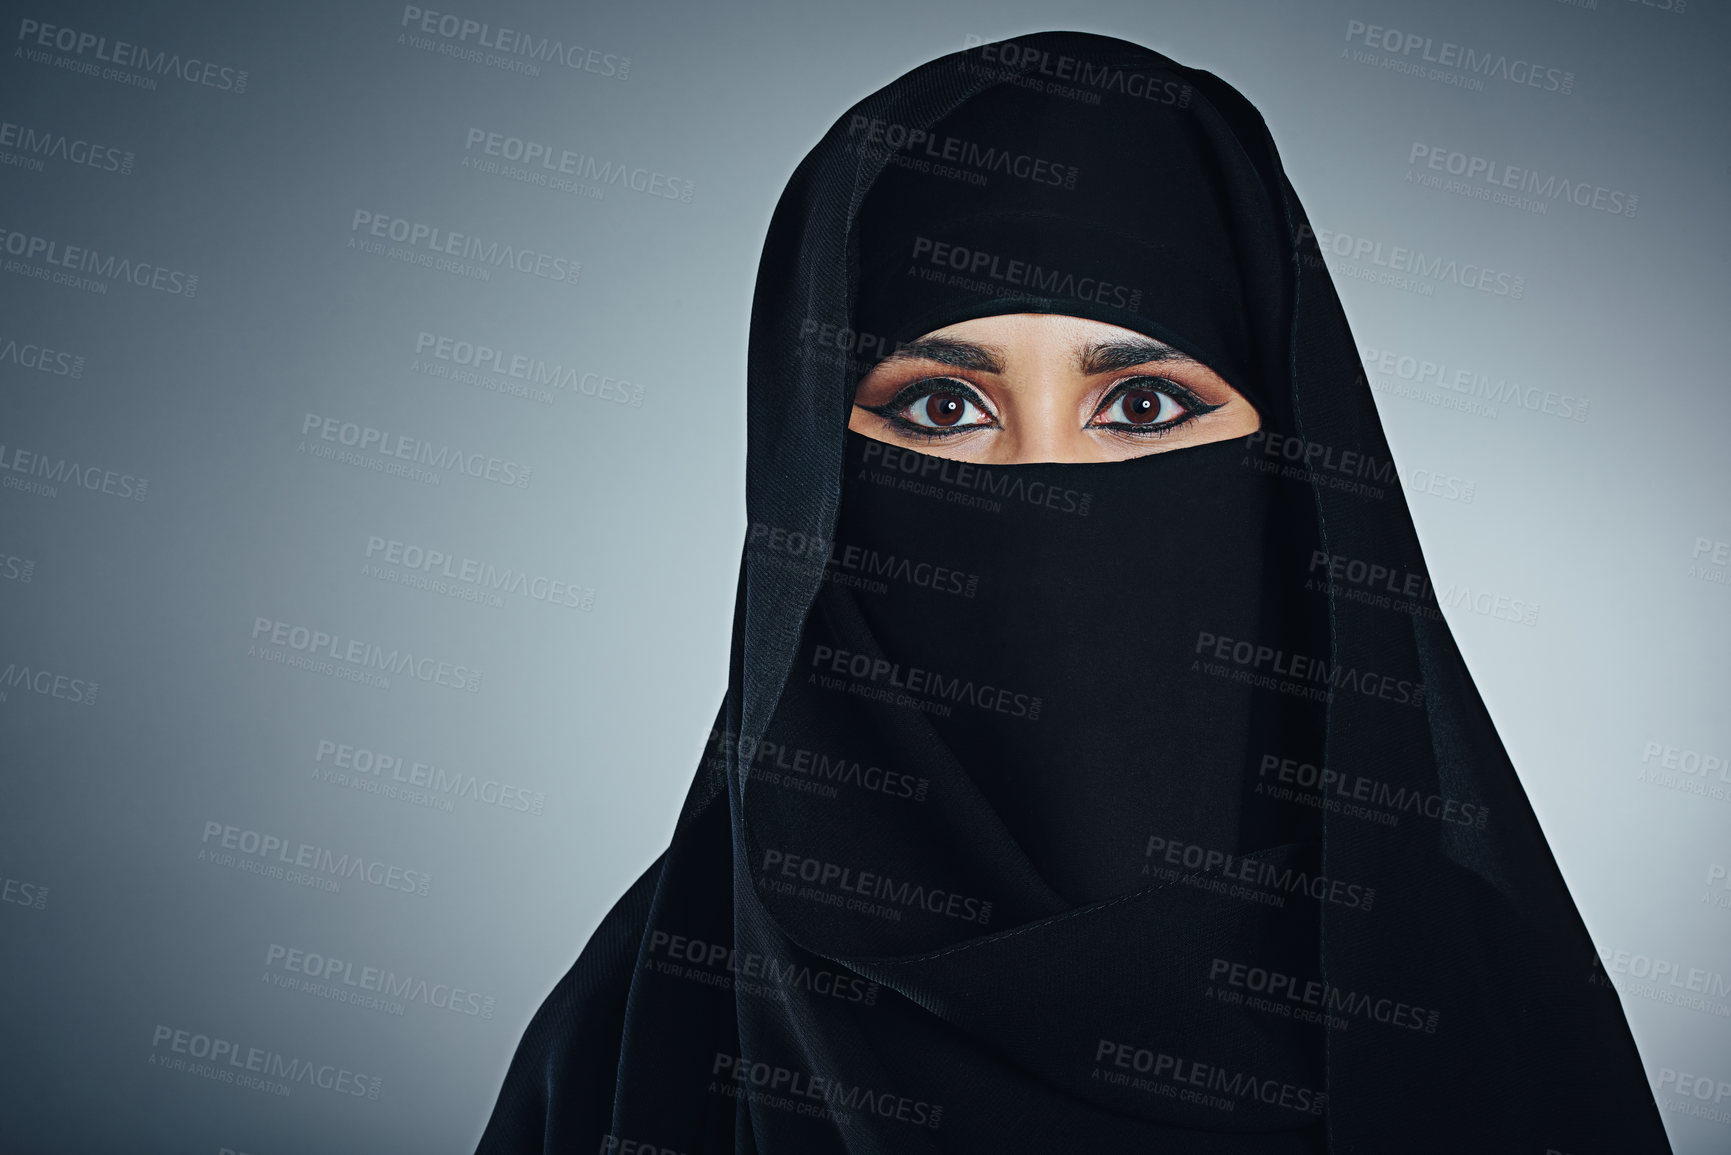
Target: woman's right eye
<point>937,406</point>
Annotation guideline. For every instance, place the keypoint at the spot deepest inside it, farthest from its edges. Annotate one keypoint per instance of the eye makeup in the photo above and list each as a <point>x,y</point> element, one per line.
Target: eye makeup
<point>1193,404</point>
<point>894,411</point>
<point>914,392</point>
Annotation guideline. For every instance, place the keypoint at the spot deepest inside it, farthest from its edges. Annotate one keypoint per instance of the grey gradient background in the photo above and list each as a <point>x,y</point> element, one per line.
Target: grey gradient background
<point>113,926</point>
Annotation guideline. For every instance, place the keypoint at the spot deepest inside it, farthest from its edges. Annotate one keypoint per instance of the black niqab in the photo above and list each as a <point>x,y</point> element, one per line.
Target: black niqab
<point>1139,806</point>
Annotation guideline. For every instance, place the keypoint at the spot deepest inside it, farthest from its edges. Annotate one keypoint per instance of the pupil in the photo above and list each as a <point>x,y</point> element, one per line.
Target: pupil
<point>1141,407</point>
<point>945,408</point>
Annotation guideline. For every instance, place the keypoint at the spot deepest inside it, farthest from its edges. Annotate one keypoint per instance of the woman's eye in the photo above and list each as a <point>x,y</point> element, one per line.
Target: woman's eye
<point>942,409</point>
<point>1143,405</point>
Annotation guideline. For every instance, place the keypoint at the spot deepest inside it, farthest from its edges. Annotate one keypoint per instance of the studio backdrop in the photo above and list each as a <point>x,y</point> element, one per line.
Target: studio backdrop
<point>372,427</point>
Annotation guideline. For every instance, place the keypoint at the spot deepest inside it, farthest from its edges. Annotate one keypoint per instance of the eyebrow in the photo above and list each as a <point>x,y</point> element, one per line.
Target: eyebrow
<point>1095,358</point>
<point>1110,356</point>
<point>947,351</point>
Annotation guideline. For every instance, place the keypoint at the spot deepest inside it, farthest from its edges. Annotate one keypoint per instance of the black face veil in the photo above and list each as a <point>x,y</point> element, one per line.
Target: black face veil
<point>1130,806</point>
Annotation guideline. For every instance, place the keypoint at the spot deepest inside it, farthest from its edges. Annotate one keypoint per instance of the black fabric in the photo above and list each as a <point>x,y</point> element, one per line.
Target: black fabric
<point>1128,806</point>
<point>1052,206</point>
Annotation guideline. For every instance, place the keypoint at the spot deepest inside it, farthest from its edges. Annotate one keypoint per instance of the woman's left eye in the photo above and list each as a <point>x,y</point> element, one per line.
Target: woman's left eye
<point>1144,406</point>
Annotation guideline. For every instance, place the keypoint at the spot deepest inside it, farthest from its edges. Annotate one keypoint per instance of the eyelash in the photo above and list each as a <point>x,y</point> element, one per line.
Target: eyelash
<point>891,410</point>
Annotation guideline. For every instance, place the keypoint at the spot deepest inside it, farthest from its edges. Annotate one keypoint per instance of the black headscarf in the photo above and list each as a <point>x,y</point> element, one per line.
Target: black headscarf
<point>1129,806</point>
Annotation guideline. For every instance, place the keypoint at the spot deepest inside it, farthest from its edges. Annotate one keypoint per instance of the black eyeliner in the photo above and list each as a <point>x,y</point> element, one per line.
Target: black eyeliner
<point>1180,393</point>
<point>890,410</point>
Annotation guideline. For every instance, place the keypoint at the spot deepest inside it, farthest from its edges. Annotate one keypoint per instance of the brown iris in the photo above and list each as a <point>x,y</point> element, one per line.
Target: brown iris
<point>945,408</point>
<point>1141,406</point>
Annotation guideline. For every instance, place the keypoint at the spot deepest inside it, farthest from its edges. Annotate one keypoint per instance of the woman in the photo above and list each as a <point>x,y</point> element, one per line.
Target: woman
<point>1095,772</point>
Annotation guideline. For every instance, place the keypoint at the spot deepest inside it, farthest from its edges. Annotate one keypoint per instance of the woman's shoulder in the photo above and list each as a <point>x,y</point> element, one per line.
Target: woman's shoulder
<point>572,1043</point>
